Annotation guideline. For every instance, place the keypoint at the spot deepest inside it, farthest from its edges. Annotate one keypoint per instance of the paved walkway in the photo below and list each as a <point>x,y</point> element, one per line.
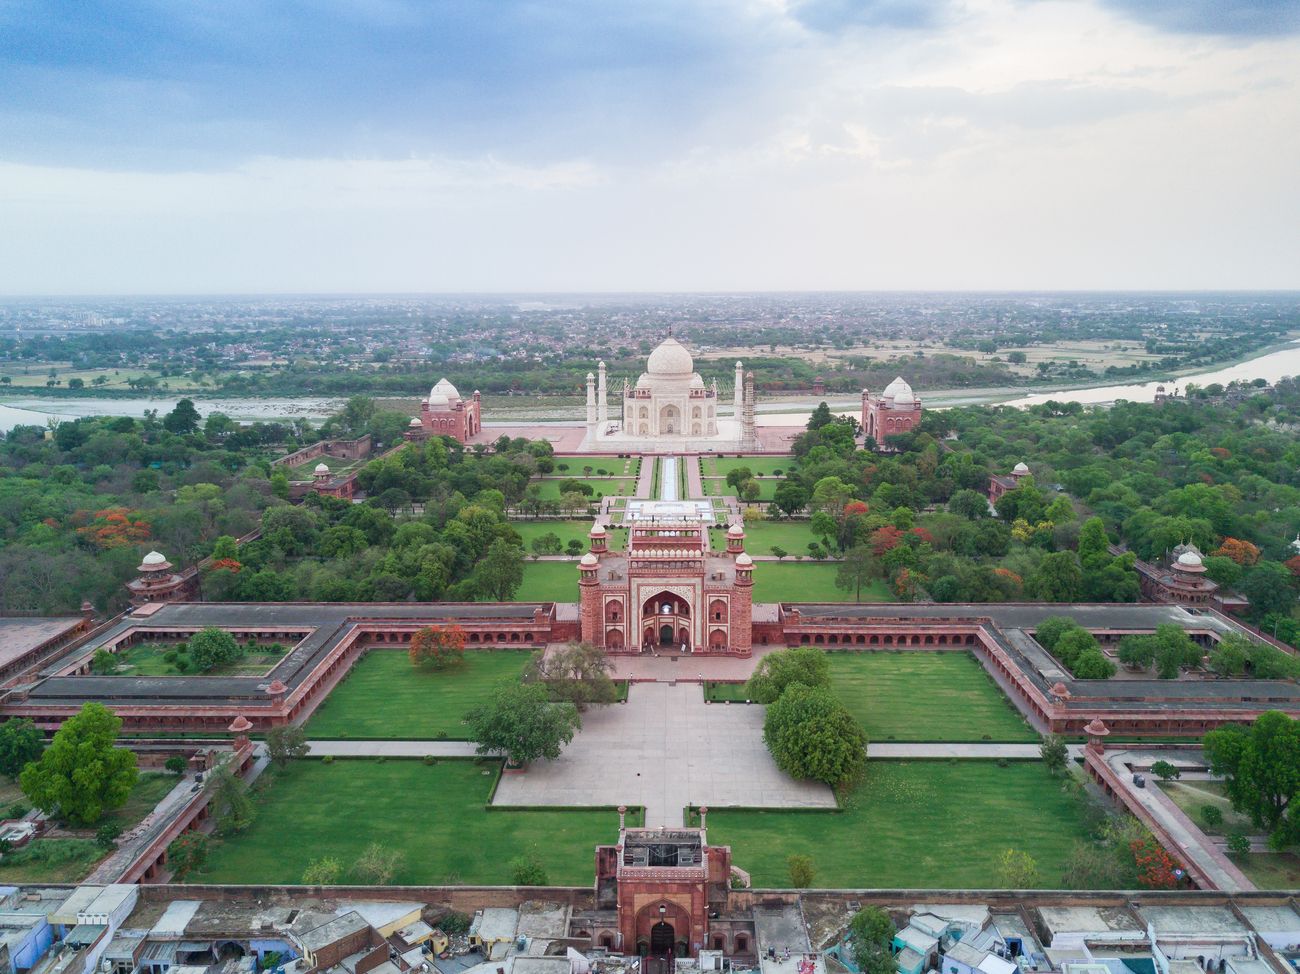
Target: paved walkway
<point>664,749</point>
<point>646,478</point>
<point>1193,845</point>
<point>694,485</point>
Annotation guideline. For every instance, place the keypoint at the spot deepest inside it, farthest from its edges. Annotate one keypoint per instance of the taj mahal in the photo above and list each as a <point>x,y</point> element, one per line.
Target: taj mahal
<point>669,408</point>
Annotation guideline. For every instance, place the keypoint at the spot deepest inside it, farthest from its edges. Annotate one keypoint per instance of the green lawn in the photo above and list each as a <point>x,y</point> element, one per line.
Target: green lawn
<point>615,466</point>
<point>909,696</point>
<point>148,659</point>
<point>434,814</point>
<point>386,697</point>
<point>1270,870</point>
<point>600,486</point>
<point>758,466</point>
<point>149,790</point>
<point>1192,796</point>
<point>807,581</point>
<point>793,536</point>
<point>528,530</point>
<point>715,487</point>
<point>549,581</point>
<point>914,824</point>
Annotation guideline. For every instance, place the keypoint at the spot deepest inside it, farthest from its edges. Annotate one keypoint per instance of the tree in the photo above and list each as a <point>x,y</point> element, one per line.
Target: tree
<point>183,418</point>
<point>82,775</point>
<point>779,670</point>
<point>1269,587</point>
<point>1261,768</point>
<point>1211,816</point>
<point>325,871</point>
<point>103,662</point>
<point>286,743</point>
<point>1053,628</point>
<point>577,673</point>
<point>738,475</point>
<point>1230,655</point>
<point>187,853</point>
<point>437,647</point>
<point>1238,842</point>
<point>1017,870</point>
<point>377,866</point>
<point>1138,652</point>
<point>175,764</point>
<point>1165,771</point>
<point>790,497</point>
<point>1092,664</point>
<point>520,722</point>
<point>1054,753</point>
<point>547,544</point>
<point>232,808</point>
<point>811,735</point>
<point>527,869</point>
<point>820,417</point>
<point>21,742</point>
<point>970,504</point>
<point>801,869</point>
<point>501,571</point>
<point>1058,578</point>
<point>212,647</point>
<point>859,565</point>
<point>871,932</point>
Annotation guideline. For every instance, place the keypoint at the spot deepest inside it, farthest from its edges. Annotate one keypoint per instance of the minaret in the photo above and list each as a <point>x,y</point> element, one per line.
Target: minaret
<point>591,409</point>
<point>602,406</point>
<point>740,389</point>
<point>748,434</point>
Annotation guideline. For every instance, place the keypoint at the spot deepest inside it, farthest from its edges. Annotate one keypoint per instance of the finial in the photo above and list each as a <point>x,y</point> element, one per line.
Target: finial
<point>670,331</point>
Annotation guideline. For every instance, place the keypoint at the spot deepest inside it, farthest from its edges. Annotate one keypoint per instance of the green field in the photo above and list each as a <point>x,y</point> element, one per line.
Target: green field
<point>909,696</point>
<point>434,814</point>
<point>386,697</point>
<point>915,824</point>
<point>758,466</point>
<point>549,581</point>
<point>615,466</point>
<point>793,536</point>
<point>917,696</point>
<point>807,581</point>
<point>600,486</point>
<point>148,659</point>
<point>1270,870</point>
<point>578,530</point>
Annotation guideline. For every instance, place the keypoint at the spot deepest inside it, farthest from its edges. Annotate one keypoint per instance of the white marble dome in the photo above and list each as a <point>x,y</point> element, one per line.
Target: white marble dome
<point>735,531</point>
<point>900,392</point>
<point>438,401</point>
<point>744,561</point>
<point>153,558</point>
<point>597,531</point>
<point>670,360</point>
<point>1020,467</point>
<point>1190,559</point>
<point>443,388</point>
<point>322,468</point>
<point>589,560</point>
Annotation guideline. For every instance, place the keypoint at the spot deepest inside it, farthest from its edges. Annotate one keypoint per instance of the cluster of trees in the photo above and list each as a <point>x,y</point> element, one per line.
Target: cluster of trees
<point>807,729</point>
<point>1075,647</point>
<point>1260,764</point>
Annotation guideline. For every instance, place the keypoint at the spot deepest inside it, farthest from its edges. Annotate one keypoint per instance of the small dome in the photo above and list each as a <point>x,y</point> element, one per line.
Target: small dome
<point>445,389</point>
<point>744,561</point>
<point>1190,561</point>
<point>153,558</point>
<point>438,401</point>
<point>597,531</point>
<point>670,359</point>
<point>736,531</point>
<point>589,560</point>
<point>322,468</point>
<point>1020,467</point>
<point>415,422</point>
<point>900,392</point>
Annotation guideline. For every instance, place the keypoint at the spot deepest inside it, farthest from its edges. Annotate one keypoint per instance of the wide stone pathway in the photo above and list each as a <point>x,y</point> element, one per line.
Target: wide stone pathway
<point>664,749</point>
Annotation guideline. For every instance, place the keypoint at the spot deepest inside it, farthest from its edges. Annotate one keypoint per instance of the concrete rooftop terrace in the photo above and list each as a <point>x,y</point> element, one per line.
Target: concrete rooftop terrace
<point>20,636</point>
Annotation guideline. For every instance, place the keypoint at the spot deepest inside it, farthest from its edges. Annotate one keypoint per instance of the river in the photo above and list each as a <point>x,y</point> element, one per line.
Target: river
<point>33,410</point>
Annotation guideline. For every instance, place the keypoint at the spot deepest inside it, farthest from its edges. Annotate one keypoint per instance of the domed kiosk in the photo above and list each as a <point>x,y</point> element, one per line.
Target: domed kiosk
<point>669,408</point>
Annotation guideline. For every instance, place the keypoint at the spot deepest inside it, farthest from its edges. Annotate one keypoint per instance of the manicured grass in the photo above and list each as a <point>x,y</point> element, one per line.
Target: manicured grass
<point>600,486</point>
<point>149,790</point>
<point>549,581</point>
<point>1270,870</point>
<point>758,466</point>
<point>807,581</point>
<point>915,824</point>
<point>577,530</point>
<point>386,697</point>
<point>50,861</point>
<point>1192,796</point>
<point>433,814</point>
<point>615,466</point>
<point>793,536</point>
<point>909,696</point>
<point>148,659</point>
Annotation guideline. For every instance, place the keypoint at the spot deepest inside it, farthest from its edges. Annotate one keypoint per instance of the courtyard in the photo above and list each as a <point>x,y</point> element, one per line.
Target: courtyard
<point>918,696</point>
<point>435,815</point>
<point>914,824</point>
<point>386,697</point>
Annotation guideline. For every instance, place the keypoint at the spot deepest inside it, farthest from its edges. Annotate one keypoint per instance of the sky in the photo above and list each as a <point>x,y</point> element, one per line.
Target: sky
<point>290,146</point>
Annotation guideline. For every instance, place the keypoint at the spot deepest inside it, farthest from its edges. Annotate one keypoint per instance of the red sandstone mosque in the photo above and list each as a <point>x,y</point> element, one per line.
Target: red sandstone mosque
<point>444,413</point>
<point>896,410</point>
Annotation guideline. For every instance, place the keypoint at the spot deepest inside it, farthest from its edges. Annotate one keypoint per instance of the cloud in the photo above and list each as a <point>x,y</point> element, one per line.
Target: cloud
<point>1242,18</point>
<point>834,16</point>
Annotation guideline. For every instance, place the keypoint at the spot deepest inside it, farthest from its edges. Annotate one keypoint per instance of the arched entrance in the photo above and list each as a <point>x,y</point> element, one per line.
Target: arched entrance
<point>669,420</point>
<point>666,635</point>
<point>666,620</point>
<point>662,939</point>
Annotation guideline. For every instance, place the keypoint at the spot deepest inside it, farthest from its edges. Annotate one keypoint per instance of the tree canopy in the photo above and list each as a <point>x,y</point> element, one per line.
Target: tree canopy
<point>82,775</point>
<point>520,722</point>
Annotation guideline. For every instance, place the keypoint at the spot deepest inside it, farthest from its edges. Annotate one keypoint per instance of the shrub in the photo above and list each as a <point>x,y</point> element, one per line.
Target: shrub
<point>527,869</point>
<point>454,923</point>
<point>1092,664</point>
<point>1211,816</point>
<point>802,870</point>
<point>1165,771</point>
<point>106,835</point>
<point>811,734</point>
<point>1238,842</point>
<point>175,764</point>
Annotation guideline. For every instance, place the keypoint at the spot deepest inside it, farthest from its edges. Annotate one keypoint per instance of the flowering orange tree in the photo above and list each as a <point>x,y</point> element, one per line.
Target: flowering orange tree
<point>113,527</point>
<point>1155,866</point>
<point>1242,552</point>
<point>437,647</point>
